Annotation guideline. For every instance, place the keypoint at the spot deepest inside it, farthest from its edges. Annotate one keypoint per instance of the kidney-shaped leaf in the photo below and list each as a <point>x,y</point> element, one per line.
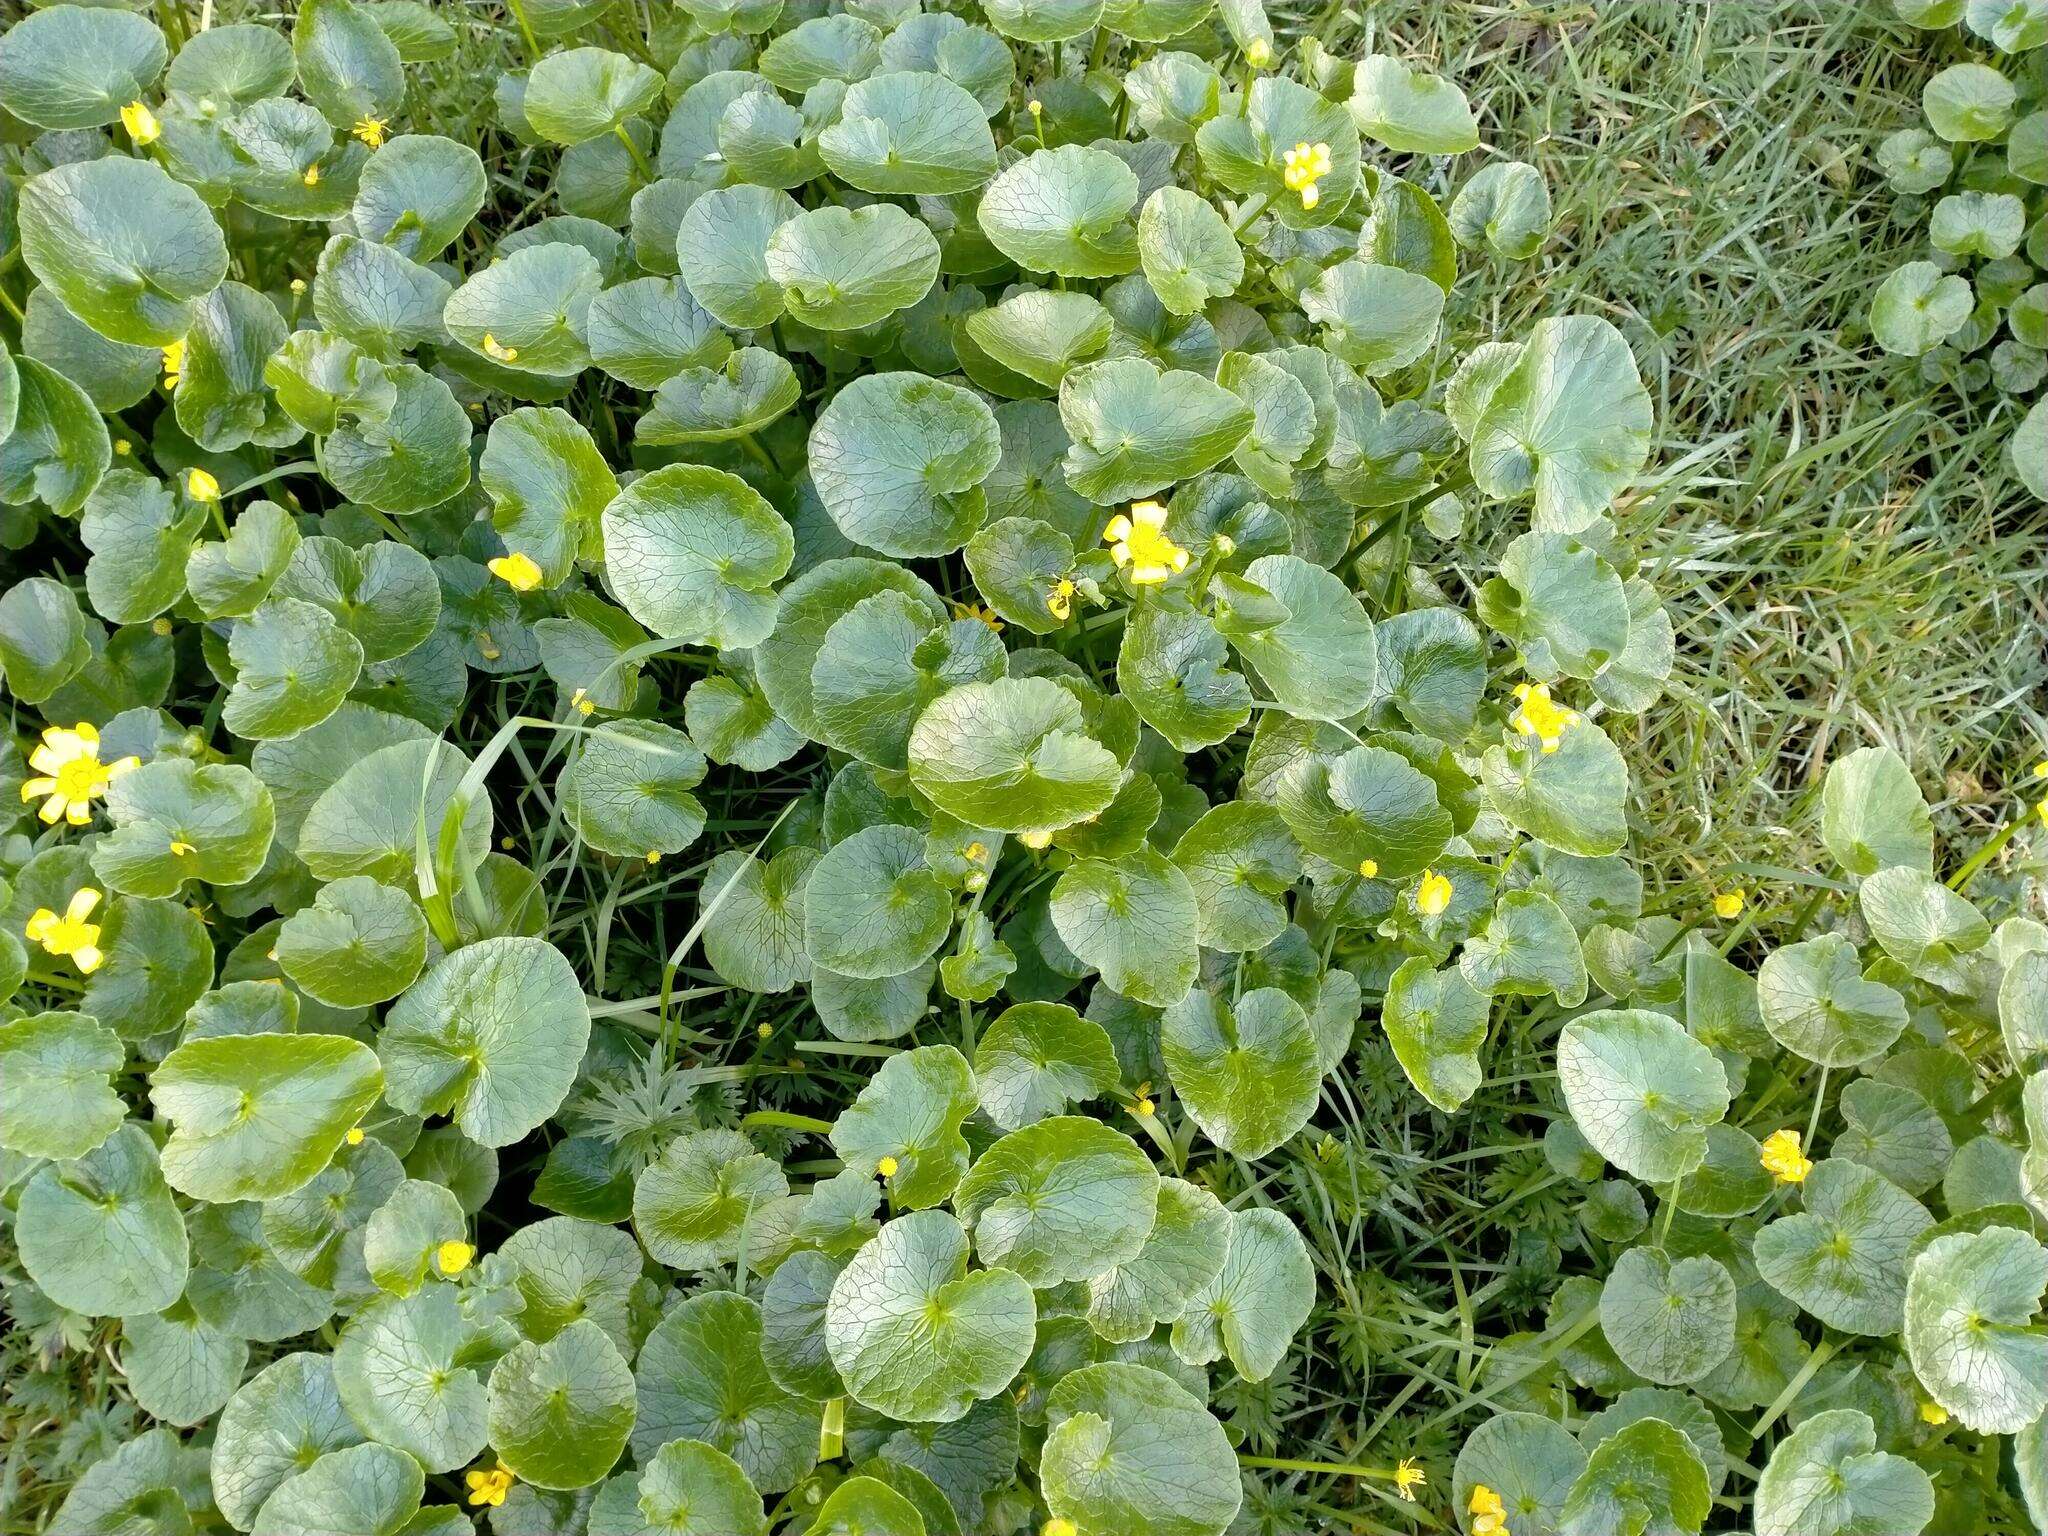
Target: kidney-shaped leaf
<point>1641,1090</point>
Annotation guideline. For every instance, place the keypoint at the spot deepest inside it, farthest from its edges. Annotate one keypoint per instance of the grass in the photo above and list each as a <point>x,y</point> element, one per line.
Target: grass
<point>1843,549</point>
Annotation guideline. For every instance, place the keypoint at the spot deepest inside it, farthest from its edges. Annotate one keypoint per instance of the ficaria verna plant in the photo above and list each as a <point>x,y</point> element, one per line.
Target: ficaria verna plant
<point>1974,307</point>
<point>794,844</point>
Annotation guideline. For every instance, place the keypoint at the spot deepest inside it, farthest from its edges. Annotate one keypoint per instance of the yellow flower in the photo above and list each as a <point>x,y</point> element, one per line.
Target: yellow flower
<point>453,1256</point>
<point>1489,1515</point>
<point>1060,1527</point>
<point>1061,603</point>
<point>489,1487</point>
<point>69,775</point>
<point>1933,1413</point>
<point>1038,842</point>
<point>174,362</point>
<point>355,1135</point>
<point>201,486</point>
<point>1144,1108</point>
<point>2041,769</point>
<point>370,130</point>
<point>180,850</point>
<point>70,934</point>
<point>1407,1478</point>
<point>1433,894</point>
<point>886,1167</point>
<point>1139,545</point>
<point>312,176</point>
<point>1729,905</point>
<point>1781,1155</point>
<point>1260,53</point>
<point>582,703</point>
<point>1536,715</point>
<point>504,354</point>
<point>1368,867</point>
<point>1305,165</point>
<point>141,123</point>
<point>517,570</point>
<point>980,611</point>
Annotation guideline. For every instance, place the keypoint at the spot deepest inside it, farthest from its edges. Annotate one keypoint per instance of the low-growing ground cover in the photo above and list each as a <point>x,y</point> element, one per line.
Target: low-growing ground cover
<point>1039,769</point>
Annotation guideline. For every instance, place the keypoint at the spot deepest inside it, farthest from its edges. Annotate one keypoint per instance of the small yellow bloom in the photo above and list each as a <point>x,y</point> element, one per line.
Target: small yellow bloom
<point>980,611</point>
<point>122,447</point>
<point>503,354</point>
<point>582,703</point>
<point>1144,1108</point>
<point>1536,715</point>
<point>886,1167</point>
<point>517,570</point>
<point>180,850</point>
<point>370,130</point>
<point>1407,1478</point>
<point>453,1256</point>
<point>201,486</point>
<point>764,1031</point>
<point>312,176</point>
<point>174,363</point>
<point>355,1135</point>
<point>1729,904</point>
<point>70,934</point>
<point>1139,545</point>
<point>1036,841</point>
<point>489,1487</point>
<point>1933,1413</point>
<point>141,123</point>
<point>1260,53</point>
<point>1304,166</point>
<point>2041,769</point>
<point>1433,894</point>
<point>1489,1515</point>
<point>1061,603</point>
<point>1368,867</point>
<point>69,775</point>
<point>1060,1527</point>
<point>975,853</point>
<point>653,856</point>
<point>298,285</point>
<point>1034,106</point>
<point>1782,1157</point>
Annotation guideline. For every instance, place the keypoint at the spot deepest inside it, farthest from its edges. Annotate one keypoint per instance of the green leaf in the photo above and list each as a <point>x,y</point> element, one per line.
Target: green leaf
<point>689,1488</point>
<point>1240,861</point>
<point>140,1487</point>
<point>896,458</point>
<point>1872,813</point>
<point>1182,1257</point>
<point>402,1240</point>
<point>348,68</point>
<point>1065,1198</point>
<point>1970,1304</point>
<point>43,640</point>
<point>910,1112</point>
<point>282,1420</point>
<point>530,307</point>
<point>492,1034</point>
<point>1921,923</point>
<point>175,821</point>
<point>1968,103</point>
<point>1530,1461</point>
<point>1188,252</point>
<point>1375,317</point>
<point>1012,755</point>
<point>126,248</point>
<point>1827,1478</point>
<point>873,908</point>
<point>700,1377</point>
<point>414,458</point>
<point>1041,334</point>
<point>844,268</point>
<point>76,67</point>
<point>691,1206</point>
<point>914,1335</point>
<point>381,301</point>
<point>1034,1059</point>
<point>1671,1322</point>
<point>1136,430</point>
<point>1844,1257</point>
<point>882,663</point>
<point>228,580</point>
<point>159,959</point>
<point>1248,1072</point>
<point>113,374</point>
<point>910,132</point>
<point>580,93</point>
<point>255,1117</point>
<point>1528,949</point>
<point>293,666</point>
<point>59,448</point>
<point>1129,1450</point>
<point>1573,799</point>
<point>399,1370</point>
<point>1319,660</point>
<point>1411,110</point>
<point>1135,920</point>
<point>1818,1003</point>
<point>1369,807</point>
<point>646,330</point>
<point>418,193</point>
<point>1258,1301</point>
<point>181,1370</point>
<point>358,943</point>
<point>627,788</point>
<point>371,1489</point>
<point>755,940</point>
<point>1918,307</point>
<point>1064,210</point>
<point>1172,670</point>
<point>102,1235</point>
<point>548,486</point>
<point>1561,603</point>
<point>139,534</point>
<point>722,253</point>
<point>1646,1478</point>
<point>1246,149</point>
<point>221,401</point>
<point>368,821</point>
<point>55,1098</point>
<point>1506,205</point>
<point>560,1412</point>
<point>693,553</point>
<point>1436,1022</point>
<point>866,1506</point>
<point>1641,1090</point>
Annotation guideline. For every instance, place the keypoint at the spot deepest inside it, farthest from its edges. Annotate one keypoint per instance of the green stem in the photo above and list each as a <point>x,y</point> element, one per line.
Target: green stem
<point>787,1121</point>
<point>533,52</point>
<point>639,160</point>
<point>1333,1468</point>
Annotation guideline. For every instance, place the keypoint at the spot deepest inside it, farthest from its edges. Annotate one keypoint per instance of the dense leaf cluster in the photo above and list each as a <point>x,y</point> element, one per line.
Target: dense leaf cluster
<point>970,501</point>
